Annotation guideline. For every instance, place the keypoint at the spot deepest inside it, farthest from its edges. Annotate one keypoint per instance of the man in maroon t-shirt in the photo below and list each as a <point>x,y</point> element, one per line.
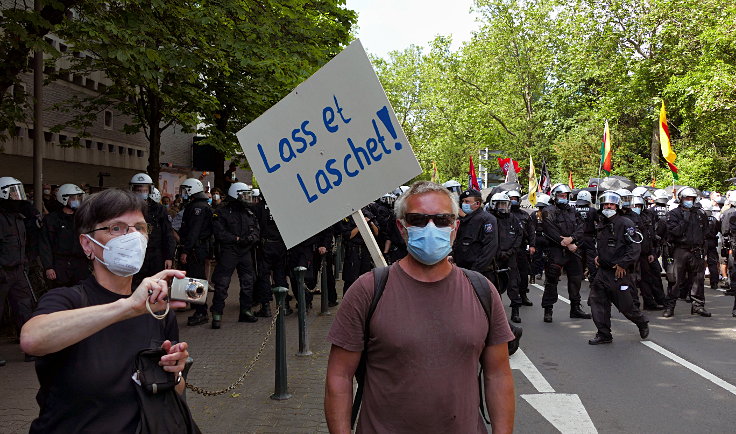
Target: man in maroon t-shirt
<point>428,335</point>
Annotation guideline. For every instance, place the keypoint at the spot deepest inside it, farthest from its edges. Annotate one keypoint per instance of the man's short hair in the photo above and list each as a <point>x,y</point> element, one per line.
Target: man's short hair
<point>104,206</point>
<point>422,187</point>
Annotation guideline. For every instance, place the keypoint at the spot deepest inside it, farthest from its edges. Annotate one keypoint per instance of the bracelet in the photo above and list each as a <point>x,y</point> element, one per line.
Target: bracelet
<point>157,316</point>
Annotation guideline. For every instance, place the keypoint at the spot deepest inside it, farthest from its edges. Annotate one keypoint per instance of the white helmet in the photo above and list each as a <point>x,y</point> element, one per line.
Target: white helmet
<point>638,200</point>
<point>11,188</point>
<point>256,192</point>
<point>584,197</point>
<point>453,186</point>
<point>141,179</point>
<point>155,195</point>
<point>501,202</point>
<point>543,200</point>
<point>240,191</point>
<point>639,191</point>
<point>687,192</point>
<point>625,197</point>
<point>731,197</point>
<point>559,189</point>
<point>661,196</point>
<point>190,187</point>
<point>706,204</point>
<point>513,193</point>
<point>401,190</point>
<point>66,191</point>
<point>609,197</point>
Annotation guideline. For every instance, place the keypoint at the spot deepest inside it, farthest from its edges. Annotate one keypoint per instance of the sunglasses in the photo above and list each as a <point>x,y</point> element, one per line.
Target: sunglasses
<point>421,220</point>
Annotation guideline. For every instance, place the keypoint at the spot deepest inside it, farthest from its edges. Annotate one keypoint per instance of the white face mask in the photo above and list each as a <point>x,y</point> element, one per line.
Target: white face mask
<point>123,255</point>
<point>608,213</point>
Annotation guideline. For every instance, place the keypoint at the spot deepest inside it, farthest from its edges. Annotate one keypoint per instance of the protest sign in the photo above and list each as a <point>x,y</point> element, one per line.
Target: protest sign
<point>328,148</point>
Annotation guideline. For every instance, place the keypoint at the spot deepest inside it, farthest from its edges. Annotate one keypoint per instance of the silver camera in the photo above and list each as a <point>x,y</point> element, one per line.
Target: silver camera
<point>190,290</point>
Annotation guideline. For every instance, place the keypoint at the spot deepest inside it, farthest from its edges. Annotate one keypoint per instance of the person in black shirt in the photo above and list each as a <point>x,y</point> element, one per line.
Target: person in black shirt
<point>504,273</point>
<point>476,243</point>
<point>271,254</point>
<point>87,336</point>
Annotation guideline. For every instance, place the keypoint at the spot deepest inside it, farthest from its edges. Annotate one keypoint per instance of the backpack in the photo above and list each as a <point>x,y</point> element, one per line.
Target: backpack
<point>380,277</point>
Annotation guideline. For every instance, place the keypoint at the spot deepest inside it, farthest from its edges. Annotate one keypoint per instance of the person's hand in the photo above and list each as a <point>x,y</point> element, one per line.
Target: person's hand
<point>566,241</point>
<point>532,250</point>
<point>620,271</point>
<point>51,274</point>
<point>168,264</point>
<point>176,356</point>
<point>597,264</point>
<point>156,290</point>
<point>650,258</point>
<point>572,247</point>
<point>321,250</point>
<point>183,258</point>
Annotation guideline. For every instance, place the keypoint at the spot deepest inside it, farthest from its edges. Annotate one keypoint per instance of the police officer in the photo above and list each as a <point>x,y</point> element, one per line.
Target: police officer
<point>727,244</point>
<point>161,246</point>
<point>272,263</point>
<point>476,243</point>
<point>236,230</point>
<point>323,243</point>
<point>539,256</point>
<point>564,230</point>
<point>686,228</point>
<point>61,253</point>
<point>505,273</point>
<point>14,283</point>
<point>647,276</point>
<point>195,232</point>
<point>527,248</point>
<point>711,241</point>
<point>732,235</point>
<point>357,256</point>
<point>618,251</point>
<point>588,215</point>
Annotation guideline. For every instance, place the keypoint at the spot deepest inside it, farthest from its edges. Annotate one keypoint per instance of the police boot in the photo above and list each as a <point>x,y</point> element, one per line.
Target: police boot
<point>247,316</point>
<point>699,310</point>
<point>548,314</point>
<point>643,330</point>
<point>525,300</point>
<point>216,321</point>
<point>515,314</point>
<point>600,339</point>
<point>668,312</point>
<point>577,312</point>
<point>197,319</point>
<point>264,311</point>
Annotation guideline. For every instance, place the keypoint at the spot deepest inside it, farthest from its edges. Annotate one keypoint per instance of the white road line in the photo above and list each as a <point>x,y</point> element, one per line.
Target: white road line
<point>521,362</point>
<point>697,369</point>
<point>564,411</point>
<point>540,287</point>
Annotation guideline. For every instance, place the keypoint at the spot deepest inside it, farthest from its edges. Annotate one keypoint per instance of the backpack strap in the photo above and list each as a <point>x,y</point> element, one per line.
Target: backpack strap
<point>380,277</point>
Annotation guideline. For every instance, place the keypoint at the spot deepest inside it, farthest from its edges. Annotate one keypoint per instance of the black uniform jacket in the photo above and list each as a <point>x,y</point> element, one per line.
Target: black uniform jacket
<point>614,243</point>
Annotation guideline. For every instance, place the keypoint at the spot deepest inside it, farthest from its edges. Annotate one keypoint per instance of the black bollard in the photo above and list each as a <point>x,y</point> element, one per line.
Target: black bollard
<point>324,308</point>
<point>281,387</point>
<point>301,299</point>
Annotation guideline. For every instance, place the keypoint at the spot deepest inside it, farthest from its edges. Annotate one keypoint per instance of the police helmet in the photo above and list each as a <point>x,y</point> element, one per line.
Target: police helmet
<point>240,191</point>
<point>542,200</point>
<point>11,188</point>
<point>609,197</point>
<point>638,200</point>
<point>453,186</point>
<point>501,202</point>
<point>190,187</point>
<point>155,195</point>
<point>625,197</point>
<point>66,191</point>
<point>559,189</point>
<point>513,193</point>
<point>706,204</point>
<point>256,192</point>
<point>731,197</point>
<point>584,198</point>
<point>639,191</point>
<point>687,192</point>
<point>661,197</point>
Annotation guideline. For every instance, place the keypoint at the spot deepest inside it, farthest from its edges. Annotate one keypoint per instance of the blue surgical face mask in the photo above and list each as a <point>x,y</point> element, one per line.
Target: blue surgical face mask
<point>636,209</point>
<point>430,244</point>
<point>74,204</point>
<point>209,201</point>
<point>562,201</point>
<point>687,203</point>
<point>184,196</point>
<point>514,202</point>
<point>467,208</point>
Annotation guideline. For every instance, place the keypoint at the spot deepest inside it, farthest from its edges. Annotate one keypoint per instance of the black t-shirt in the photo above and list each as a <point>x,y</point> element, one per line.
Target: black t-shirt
<point>87,387</point>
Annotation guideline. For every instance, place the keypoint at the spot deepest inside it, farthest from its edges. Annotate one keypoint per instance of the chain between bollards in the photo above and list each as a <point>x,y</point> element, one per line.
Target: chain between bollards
<point>281,384</point>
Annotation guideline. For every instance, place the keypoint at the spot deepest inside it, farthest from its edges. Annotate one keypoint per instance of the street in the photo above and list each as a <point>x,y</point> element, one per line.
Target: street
<point>562,383</point>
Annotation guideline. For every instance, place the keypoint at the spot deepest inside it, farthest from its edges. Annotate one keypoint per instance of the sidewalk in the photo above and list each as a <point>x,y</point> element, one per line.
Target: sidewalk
<point>220,358</point>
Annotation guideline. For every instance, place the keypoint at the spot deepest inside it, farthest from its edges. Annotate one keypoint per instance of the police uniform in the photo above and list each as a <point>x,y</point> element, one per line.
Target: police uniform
<point>615,246</point>
<point>236,231</point>
<point>357,256</point>
<point>649,278</point>
<point>538,262</point>
<point>529,239</point>
<point>711,248</point>
<point>195,232</point>
<point>14,283</point>
<point>727,246</point>
<point>561,220</point>
<point>505,273</point>
<point>326,239</point>
<point>686,229</point>
<point>161,245</point>
<point>61,250</point>
<point>271,254</point>
<point>586,249</point>
<point>476,243</point>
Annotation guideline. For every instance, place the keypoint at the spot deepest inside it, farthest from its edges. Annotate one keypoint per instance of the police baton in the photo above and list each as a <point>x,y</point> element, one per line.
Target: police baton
<point>30,287</point>
<point>553,240</point>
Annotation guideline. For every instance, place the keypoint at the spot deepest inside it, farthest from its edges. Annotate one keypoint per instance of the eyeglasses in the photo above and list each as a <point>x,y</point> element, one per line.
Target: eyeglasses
<point>421,220</point>
<point>119,228</point>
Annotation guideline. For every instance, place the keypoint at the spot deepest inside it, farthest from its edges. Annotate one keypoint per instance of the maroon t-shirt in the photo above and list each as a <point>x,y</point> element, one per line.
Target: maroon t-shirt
<point>423,353</point>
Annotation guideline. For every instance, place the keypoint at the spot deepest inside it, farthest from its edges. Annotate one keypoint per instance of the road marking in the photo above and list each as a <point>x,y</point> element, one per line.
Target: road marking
<point>565,411</point>
<point>540,287</point>
<point>697,369</point>
<point>521,362</point>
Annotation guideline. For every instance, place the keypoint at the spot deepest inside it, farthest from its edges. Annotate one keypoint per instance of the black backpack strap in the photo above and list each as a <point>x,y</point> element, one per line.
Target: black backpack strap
<point>483,292</point>
<point>380,277</point>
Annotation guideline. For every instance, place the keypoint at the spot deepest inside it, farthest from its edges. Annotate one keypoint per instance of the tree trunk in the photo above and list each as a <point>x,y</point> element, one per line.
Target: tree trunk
<point>154,149</point>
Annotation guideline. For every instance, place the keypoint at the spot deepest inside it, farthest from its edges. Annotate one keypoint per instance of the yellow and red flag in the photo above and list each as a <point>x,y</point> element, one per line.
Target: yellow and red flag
<point>606,164</point>
<point>532,197</point>
<point>570,182</point>
<point>664,142</point>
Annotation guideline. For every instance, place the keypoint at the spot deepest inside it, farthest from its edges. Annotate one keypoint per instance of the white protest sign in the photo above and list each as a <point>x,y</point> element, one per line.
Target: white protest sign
<point>328,148</point>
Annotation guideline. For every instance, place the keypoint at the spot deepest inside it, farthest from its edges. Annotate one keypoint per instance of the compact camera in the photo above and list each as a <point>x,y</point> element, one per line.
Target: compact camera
<point>190,290</point>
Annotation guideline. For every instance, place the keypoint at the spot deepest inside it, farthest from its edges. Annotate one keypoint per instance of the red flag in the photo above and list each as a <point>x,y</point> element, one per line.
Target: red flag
<point>472,179</point>
<point>506,163</point>
<point>570,181</point>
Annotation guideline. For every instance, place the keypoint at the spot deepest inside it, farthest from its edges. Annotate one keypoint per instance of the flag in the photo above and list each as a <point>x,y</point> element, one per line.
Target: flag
<point>664,142</point>
<point>434,171</point>
<point>570,182</point>
<point>506,163</point>
<point>606,165</point>
<point>532,197</point>
<point>472,179</point>
<point>511,176</point>
<point>544,181</point>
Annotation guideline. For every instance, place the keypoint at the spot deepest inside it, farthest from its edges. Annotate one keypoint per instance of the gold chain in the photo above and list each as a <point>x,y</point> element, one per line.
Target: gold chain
<point>248,368</point>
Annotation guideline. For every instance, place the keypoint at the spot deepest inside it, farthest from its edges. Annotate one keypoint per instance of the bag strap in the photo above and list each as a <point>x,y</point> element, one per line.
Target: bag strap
<point>483,292</point>
<point>380,277</point>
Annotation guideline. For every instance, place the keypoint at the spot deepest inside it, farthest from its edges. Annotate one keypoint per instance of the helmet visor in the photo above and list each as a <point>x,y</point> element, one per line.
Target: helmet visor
<point>16,192</point>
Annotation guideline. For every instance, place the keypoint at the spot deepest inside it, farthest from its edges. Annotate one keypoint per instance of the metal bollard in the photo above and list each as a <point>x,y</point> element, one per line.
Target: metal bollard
<point>281,386</point>
<point>324,308</point>
<point>339,255</point>
<point>301,299</point>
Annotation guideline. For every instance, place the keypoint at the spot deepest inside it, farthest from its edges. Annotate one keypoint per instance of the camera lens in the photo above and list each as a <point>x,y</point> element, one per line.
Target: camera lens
<point>194,289</point>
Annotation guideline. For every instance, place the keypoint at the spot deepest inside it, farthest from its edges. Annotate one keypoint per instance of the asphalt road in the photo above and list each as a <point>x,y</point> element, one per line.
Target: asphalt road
<point>627,386</point>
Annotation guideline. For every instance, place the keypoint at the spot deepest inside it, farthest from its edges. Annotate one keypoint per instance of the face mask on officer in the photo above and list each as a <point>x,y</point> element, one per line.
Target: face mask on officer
<point>216,197</point>
<point>608,213</point>
<point>74,204</point>
<point>562,199</point>
<point>514,202</point>
<point>687,203</point>
<point>467,208</point>
<point>636,209</point>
